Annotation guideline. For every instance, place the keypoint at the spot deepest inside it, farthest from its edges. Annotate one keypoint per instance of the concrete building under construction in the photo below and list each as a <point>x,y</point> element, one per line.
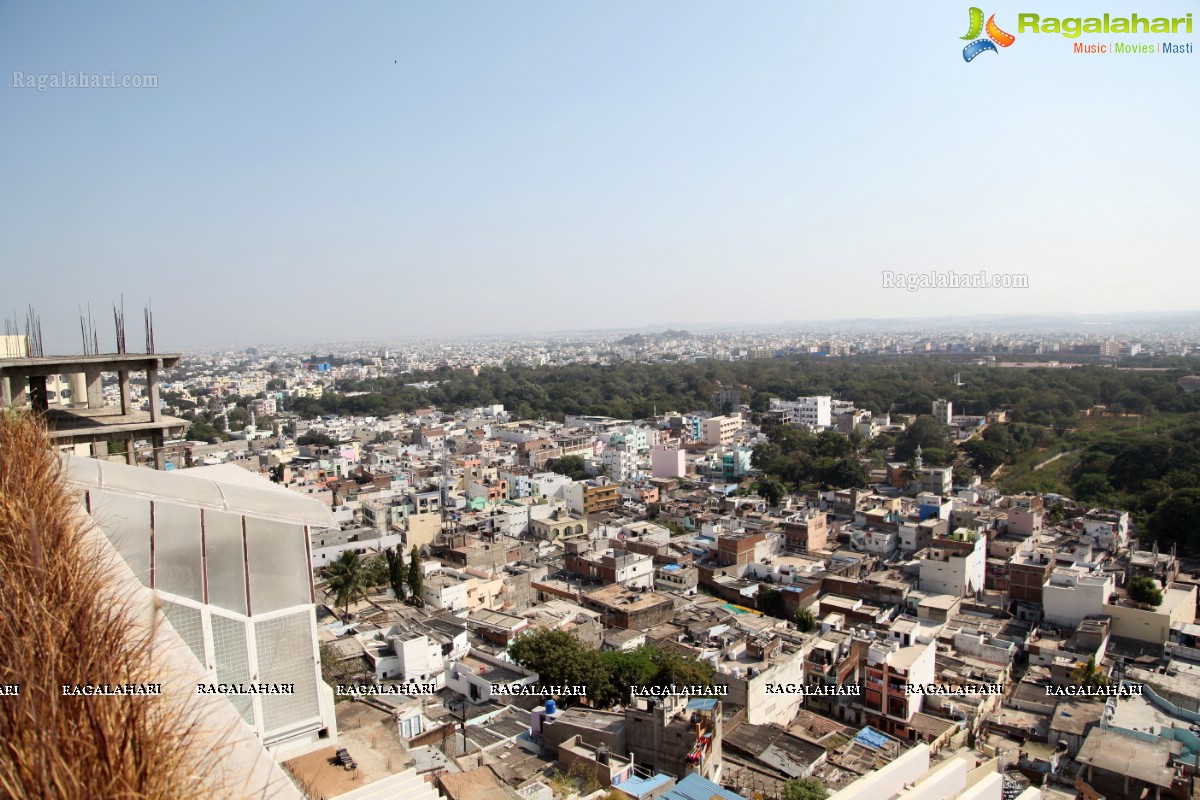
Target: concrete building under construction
<point>69,391</point>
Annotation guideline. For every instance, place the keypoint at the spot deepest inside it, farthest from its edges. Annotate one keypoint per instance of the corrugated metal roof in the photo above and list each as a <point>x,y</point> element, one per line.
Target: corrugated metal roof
<point>871,737</point>
<point>640,787</point>
<point>694,787</point>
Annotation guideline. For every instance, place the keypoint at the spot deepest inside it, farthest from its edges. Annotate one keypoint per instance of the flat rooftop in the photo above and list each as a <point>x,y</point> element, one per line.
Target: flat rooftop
<point>492,672</point>
<point>606,721</point>
<point>101,362</point>
<point>1139,714</point>
<point>84,423</point>
<point>621,597</point>
<point>1124,755</point>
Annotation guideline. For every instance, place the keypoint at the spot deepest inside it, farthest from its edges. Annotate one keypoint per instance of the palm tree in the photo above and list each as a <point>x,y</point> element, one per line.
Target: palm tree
<point>346,580</point>
<point>1089,674</point>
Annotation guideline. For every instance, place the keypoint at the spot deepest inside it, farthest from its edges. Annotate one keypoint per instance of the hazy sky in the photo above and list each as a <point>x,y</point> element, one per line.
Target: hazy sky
<point>401,169</point>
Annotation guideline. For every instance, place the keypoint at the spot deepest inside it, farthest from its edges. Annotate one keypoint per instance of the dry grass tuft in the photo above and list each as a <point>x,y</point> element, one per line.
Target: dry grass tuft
<point>61,623</point>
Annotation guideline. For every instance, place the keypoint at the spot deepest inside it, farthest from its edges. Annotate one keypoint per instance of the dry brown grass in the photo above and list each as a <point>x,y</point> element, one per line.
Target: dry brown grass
<point>61,623</point>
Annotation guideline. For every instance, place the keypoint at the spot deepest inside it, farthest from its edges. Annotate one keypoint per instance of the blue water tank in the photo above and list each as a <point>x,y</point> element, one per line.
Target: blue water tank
<point>551,706</point>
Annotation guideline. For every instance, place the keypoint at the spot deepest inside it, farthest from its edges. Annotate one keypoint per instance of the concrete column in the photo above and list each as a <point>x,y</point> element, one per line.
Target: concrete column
<point>78,382</point>
<point>130,455</point>
<point>152,392</point>
<point>17,390</point>
<point>126,400</point>
<point>5,392</point>
<point>160,457</point>
<point>95,389</point>
<point>38,397</point>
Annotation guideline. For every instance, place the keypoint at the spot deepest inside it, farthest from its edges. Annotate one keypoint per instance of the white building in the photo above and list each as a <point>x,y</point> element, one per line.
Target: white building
<point>911,777</point>
<point>621,464</point>
<point>749,667</point>
<point>476,675</point>
<point>880,542</point>
<point>1108,530</point>
<point>550,485</point>
<point>401,655</point>
<point>955,565</point>
<point>942,411</point>
<point>813,412</point>
<point>447,592</point>
<point>1074,593</point>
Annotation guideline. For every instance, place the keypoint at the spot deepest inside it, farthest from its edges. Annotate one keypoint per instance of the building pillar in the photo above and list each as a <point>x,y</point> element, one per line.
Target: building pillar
<point>19,389</point>
<point>152,392</point>
<point>38,398</point>
<point>79,389</point>
<point>95,389</point>
<point>6,399</point>
<point>157,441</point>
<point>126,400</point>
<point>130,454</point>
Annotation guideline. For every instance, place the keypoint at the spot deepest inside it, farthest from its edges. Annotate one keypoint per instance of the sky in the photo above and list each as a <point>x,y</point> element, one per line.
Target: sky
<point>414,169</point>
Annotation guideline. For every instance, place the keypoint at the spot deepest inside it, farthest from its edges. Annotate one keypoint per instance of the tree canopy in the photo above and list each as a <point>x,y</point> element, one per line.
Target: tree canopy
<point>804,789</point>
<point>1143,589</point>
<point>559,657</point>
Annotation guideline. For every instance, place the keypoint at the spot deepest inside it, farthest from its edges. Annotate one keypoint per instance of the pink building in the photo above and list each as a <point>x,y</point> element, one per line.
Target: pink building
<point>667,462</point>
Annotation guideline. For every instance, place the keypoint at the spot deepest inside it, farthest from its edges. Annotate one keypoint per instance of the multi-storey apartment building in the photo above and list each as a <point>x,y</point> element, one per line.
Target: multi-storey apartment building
<point>890,670</point>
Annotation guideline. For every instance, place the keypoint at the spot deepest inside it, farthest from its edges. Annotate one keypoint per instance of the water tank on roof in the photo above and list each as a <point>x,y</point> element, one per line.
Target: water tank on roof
<point>551,706</point>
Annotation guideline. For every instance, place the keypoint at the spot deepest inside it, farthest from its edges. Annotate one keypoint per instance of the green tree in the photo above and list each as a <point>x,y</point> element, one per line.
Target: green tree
<point>833,445</point>
<point>202,431</point>
<point>1144,589</point>
<point>804,789</point>
<point>770,489</point>
<point>1176,521</point>
<point>346,580</point>
<point>805,620</point>
<point>416,577</point>
<point>770,601</point>
<point>927,433</point>
<point>573,467</point>
<point>317,440</point>
<point>622,670</point>
<point>1089,674</point>
<point>558,657</point>
<point>789,439</point>
<point>844,473</point>
<point>397,572</point>
<point>985,456</point>
<point>675,670</point>
<point>375,572</point>
<point>332,670</point>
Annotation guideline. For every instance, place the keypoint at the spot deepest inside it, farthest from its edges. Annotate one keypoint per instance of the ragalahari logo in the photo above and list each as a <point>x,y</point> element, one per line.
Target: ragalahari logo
<point>995,36</point>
